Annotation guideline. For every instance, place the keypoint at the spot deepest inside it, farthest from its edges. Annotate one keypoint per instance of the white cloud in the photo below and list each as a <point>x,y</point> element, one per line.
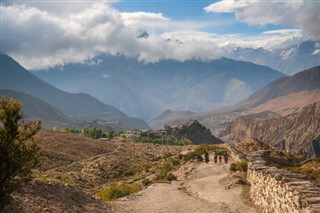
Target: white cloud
<point>301,13</point>
<point>60,8</point>
<point>269,40</point>
<point>143,18</point>
<point>39,39</point>
<point>40,36</point>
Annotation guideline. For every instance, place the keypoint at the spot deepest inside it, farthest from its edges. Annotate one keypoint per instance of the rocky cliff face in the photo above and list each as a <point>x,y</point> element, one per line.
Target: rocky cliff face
<point>295,133</point>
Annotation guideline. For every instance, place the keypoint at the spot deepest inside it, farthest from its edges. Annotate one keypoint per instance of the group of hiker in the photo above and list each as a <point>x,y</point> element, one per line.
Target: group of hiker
<point>216,157</point>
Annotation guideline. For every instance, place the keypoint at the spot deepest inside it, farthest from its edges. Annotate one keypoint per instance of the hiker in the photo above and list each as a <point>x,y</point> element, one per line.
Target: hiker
<point>206,156</point>
<point>215,157</point>
<point>220,158</point>
<point>225,156</point>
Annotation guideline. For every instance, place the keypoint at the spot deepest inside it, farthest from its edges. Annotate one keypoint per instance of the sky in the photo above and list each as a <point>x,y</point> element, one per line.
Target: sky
<point>44,34</point>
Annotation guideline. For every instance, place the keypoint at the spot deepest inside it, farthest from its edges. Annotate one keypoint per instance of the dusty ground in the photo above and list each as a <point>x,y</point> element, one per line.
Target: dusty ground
<point>75,168</point>
<point>206,189</point>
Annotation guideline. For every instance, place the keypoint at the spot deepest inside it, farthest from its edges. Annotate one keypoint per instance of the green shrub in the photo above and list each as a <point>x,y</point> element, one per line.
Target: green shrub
<point>165,176</point>
<point>129,172</point>
<point>175,162</point>
<point>167,155</point>
<point>146,182</point>
<point>171,177</point>
<point>92,132</point>
<point>241,166</point>
<point>184,141</point>
<point>16,158</point>
<point>115,192</point>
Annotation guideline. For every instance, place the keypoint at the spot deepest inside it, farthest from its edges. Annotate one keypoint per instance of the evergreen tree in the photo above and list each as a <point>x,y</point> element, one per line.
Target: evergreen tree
<point>16,158</point>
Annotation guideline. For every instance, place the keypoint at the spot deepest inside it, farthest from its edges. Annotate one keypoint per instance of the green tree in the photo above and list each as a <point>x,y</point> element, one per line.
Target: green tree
<point>16,158</point>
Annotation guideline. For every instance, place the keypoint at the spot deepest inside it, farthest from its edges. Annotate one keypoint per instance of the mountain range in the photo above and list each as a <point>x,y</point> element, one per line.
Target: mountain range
<point>145,90</point>
<point>79,106</point>
<point>285,114</point>
<point>288,60</point>
<point>281,97</point>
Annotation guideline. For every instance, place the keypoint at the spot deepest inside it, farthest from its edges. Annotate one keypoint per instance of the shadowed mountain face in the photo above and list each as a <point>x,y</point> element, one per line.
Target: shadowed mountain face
<point>146,90</point>
<point>15,77</point>
<point>289,60</point>
<point>36,109</point>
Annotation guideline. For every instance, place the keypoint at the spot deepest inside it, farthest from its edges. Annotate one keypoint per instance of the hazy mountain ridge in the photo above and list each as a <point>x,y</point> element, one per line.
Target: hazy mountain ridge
<point>170,118</point>
<point>15,77</point>
<point>146,90</point>
<point>288,60</point>
<point>306,80</point>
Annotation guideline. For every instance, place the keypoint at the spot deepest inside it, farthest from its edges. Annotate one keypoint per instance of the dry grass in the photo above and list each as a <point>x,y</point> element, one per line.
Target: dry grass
<point>74,162</point>
<point>311,169</point>
<point>118,191</point>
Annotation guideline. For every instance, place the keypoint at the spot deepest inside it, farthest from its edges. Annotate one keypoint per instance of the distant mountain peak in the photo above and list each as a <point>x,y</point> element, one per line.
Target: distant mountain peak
<point>289,60</point>
<point>143,34</point>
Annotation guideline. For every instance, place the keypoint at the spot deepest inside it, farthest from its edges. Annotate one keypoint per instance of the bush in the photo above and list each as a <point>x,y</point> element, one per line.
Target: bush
<point>115,192</point>
<point>241,166</point>
<point>146,182</point>
<point>165,176</point>
<point>16,158</point>
<point>171,177</point>
<point>92,132</point>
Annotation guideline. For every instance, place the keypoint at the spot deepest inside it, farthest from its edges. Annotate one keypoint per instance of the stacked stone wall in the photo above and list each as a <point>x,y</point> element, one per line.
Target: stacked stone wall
<point>279,191</point>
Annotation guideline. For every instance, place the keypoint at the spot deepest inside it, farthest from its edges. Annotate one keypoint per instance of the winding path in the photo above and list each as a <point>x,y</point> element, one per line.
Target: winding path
<point>203,190</point>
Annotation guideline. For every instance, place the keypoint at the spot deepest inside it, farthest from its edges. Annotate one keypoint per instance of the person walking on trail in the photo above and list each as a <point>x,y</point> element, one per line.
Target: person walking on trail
<point>206,156</point>
<point>220,158</point>
<point>215,157</point>
<point>225,156</point>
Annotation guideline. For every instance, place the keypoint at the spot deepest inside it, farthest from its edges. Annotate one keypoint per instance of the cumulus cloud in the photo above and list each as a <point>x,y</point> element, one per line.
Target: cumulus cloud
<point>39,39</point>
<point>301,13</point>
<point>144,18</point>
<point>40,36</point>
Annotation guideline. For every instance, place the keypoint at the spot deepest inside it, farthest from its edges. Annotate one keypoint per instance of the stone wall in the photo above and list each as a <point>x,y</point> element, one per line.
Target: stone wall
<point>279,191</point>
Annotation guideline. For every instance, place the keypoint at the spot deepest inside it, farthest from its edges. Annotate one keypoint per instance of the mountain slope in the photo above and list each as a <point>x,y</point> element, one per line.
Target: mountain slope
<point>279,98</point>
<point>307,80</point>
<point>293,133</point>
<point>15,77</point>
<point>36,109</point>
<point>145,90</point>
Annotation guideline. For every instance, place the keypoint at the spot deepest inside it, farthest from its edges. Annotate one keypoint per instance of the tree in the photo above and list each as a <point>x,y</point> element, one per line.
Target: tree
<point>16,158</point>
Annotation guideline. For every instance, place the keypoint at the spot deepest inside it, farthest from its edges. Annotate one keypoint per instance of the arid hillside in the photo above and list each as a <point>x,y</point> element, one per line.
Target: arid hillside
<point>294,133</point>
<point>75,168</point>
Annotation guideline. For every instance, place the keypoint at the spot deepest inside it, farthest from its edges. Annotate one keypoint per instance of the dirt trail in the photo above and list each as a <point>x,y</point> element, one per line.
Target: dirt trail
<point>202,191</point>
